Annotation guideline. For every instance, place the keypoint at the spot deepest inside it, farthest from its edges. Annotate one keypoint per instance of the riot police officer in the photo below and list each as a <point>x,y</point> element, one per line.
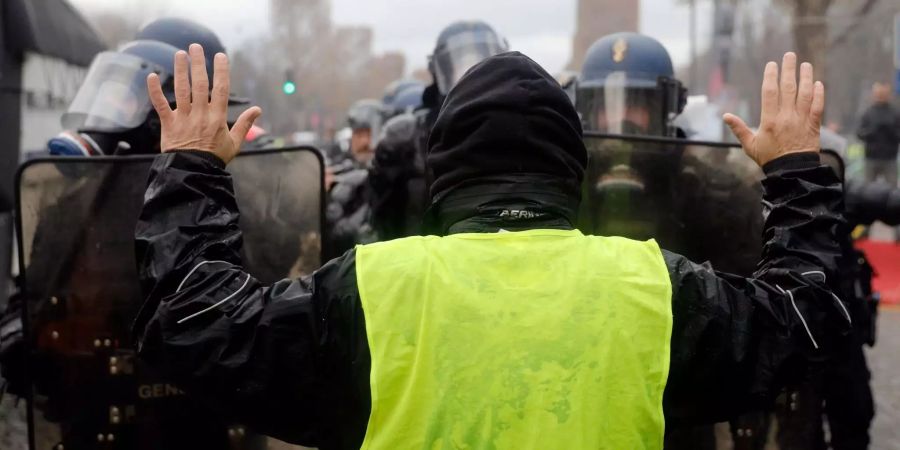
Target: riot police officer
<point>402,96</point>
<point>628,86</point>
<point>347,213</point>
<point>399,177</point>
<point>396,186</point>
<point>646,189</point>
<point>111,115</point>
<point>364,119</point>
<point>643,189</point>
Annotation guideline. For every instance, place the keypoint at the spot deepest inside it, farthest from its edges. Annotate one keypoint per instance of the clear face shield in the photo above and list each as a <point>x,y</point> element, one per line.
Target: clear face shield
<point>696,199</point>
<point>461,52</point>
<point>620,104</point>
<point>114,95</point>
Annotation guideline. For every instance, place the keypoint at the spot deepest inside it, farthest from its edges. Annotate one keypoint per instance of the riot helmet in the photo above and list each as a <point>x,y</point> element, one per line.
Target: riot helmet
<point>396,86</point>
<point>181,33</point>
<point>460,46</point>
<point>627,86</point>
<point>402,96</point>
<point>111,113</point>
<point>364,120</point>
<point>112,107</point>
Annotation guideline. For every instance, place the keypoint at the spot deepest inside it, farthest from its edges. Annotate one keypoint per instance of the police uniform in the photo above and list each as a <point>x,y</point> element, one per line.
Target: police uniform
<point>81,297</point>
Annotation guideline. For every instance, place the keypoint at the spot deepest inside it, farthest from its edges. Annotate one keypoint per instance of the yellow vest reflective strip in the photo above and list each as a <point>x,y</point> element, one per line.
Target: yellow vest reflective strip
<point>541,339</point>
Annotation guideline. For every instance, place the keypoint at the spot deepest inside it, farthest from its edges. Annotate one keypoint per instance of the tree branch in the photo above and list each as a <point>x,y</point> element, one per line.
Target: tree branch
<point>862,11</point>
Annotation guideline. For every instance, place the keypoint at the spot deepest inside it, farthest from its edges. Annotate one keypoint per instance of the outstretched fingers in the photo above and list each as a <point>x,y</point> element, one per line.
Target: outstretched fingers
<point>817,109</point>
<point>182,83</point>
<point>242,126</point>
<point>221,84</point>
<point>789,81</point>
<point>769,95</point>
<point>157,98</point>
<point>199,79</point>
<point>741,131</point>
<point>805,90</point>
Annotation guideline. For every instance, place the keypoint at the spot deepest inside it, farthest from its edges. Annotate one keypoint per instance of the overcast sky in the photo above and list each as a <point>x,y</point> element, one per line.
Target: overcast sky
<point>542,29</point>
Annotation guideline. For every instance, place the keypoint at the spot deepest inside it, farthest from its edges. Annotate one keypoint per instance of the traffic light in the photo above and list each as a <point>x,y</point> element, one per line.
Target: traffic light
<point>289,87</point>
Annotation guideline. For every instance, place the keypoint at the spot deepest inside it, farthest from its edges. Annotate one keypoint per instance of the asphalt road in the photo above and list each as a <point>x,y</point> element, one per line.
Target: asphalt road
<point>884,363</point>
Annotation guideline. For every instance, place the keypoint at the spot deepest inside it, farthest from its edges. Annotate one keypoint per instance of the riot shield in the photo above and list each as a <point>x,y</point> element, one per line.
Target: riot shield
<point>76,236</point>
<point>699,199</point>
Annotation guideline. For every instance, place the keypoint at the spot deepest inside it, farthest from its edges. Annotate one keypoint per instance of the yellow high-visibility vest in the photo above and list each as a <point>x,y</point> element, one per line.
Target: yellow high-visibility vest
<point>540,339</point>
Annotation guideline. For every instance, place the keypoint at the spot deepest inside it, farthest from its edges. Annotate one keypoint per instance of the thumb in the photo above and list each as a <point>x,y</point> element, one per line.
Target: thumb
<point>740,129</point>
<point>242,126</point>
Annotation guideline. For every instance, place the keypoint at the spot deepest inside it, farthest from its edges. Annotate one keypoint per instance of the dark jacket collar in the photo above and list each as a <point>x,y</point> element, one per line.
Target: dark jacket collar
<point>514,203</point>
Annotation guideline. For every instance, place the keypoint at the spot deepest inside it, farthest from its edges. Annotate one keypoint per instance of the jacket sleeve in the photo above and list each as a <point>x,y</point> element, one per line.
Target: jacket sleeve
<point>868,202</point>
<point>736,340</point>
<point>249,351</point>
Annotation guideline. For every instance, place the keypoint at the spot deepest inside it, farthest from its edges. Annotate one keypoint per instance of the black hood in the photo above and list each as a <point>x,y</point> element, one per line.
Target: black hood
<point>506,117</point>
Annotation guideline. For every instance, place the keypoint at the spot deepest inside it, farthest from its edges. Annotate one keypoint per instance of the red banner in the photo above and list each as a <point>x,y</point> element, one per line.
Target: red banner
<point>885,259</point>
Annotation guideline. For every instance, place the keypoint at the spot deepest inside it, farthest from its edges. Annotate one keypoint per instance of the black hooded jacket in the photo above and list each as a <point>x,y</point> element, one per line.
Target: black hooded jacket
<point>879,129</point>
<point>292,359</point>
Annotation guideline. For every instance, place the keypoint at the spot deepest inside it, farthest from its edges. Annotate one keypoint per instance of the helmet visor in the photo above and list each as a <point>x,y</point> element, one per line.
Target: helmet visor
<point>622,105</point>
<point>461,52</point>
<point>114,94</point>
<point>366,115</point>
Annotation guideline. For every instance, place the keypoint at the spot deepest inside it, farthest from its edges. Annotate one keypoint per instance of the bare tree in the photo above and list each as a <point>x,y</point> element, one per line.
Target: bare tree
<point>843,38</point>
<point>810,31</point>
<point>115,28</point>
<point>332,67</point>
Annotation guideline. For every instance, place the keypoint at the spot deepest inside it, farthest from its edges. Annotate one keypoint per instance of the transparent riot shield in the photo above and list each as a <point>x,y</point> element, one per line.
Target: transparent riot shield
<point>76,235</point>
<point>702,200</point>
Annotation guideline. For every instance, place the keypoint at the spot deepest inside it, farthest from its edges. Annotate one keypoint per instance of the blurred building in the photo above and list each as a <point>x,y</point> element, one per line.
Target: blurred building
<point>48,86</point>
<point>332,66</point>
<point>596,18</point>
<point>44,47</point>
<point>44,44</point>
<point>857,53</point>
<point>860,50</point>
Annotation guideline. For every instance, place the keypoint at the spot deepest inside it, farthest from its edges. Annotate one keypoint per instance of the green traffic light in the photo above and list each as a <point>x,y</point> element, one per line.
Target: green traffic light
<point>289,87</point>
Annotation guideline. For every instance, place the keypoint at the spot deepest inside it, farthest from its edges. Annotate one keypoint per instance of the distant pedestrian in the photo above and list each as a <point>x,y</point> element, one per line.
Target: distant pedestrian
<point>879,129</point>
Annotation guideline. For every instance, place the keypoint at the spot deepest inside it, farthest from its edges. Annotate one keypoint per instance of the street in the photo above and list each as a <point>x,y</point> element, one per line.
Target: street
<point>884,362</point>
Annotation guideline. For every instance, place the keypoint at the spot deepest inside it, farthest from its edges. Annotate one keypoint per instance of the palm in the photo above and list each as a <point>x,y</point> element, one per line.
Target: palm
<point>791,113</point>
<point>199,121</point>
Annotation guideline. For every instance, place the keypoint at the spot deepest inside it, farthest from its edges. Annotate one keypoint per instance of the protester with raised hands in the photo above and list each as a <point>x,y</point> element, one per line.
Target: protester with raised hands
<point>510,330</point>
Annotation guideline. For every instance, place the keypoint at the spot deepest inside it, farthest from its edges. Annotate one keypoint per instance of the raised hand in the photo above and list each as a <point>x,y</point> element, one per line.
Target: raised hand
<point>791,114</point>
<point>199,121</point>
